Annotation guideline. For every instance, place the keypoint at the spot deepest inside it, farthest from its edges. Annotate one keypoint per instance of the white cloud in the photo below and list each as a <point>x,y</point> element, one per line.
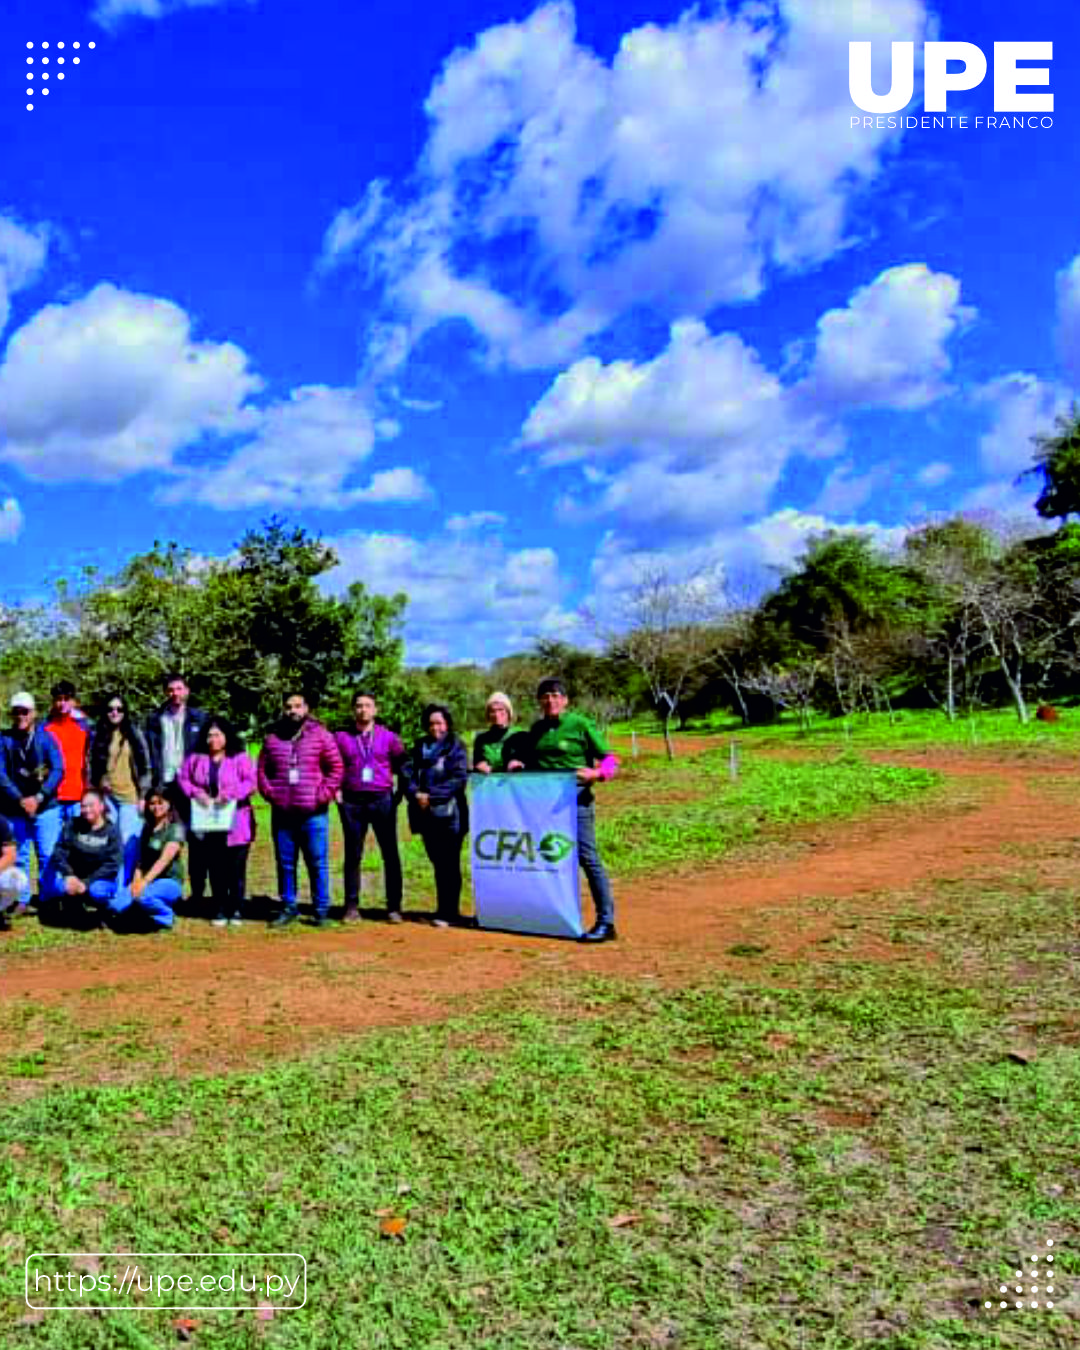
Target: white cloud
<point>469,597</point>
<point>476,520</point>
<point>1022,406</point>
<point>22,258</point>
<point>108,13</point>
<point>557,191</point>
<point>887,347</point>
<point>111,384</point>
<point>1068,317</point>
<point>304,454</point>
<point>934,474</point>
<point>844,491</point>
<point>11,520</point>
<point>693,439</point>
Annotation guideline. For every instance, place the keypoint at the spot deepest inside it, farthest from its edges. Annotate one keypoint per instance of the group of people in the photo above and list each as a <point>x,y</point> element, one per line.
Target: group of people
<point>113,809</point>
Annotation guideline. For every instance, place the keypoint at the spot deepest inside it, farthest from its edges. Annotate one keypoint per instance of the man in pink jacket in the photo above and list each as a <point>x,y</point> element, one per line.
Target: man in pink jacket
<point>300,772</point>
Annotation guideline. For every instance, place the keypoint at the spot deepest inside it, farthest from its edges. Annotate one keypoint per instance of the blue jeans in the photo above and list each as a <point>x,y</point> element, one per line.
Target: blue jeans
<point>98,893</point>
<point>589,858</point>
<point>43,832</point>
<point>156,901</point>
<point>130,823</point>
<point>297,833</point>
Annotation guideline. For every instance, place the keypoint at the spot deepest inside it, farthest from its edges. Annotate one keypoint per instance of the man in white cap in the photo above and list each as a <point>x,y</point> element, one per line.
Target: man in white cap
<point>31,768</point>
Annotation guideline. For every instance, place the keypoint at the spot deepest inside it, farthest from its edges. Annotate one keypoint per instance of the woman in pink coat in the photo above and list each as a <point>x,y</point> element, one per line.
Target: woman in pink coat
<point>219,778</point>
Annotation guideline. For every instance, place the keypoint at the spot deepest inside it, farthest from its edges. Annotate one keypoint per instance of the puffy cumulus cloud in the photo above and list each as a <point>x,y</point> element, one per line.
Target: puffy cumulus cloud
<point>1068,317</point>
<point>701,394</point>
<point>690,441</point>
<point>738,564</point>
<point>11,520</point>
<point>1021,406</point>
<point>470,597</point>
<point>887,347</point>
<point>779,539</point>
<point>112,384</point>
<point>305,454</point>
<point>557,191</point>
<point>22,258</point>
<point>109,13</point>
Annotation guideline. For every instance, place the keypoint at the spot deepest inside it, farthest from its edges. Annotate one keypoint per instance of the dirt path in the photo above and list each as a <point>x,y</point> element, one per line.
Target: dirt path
<point>235,998</point>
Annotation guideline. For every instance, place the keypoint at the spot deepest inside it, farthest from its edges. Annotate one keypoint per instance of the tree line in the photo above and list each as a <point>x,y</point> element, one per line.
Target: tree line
<point>964,615</point>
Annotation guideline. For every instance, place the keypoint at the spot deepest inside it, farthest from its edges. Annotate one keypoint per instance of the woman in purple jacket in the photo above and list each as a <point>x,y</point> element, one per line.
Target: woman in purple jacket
<point>219,780</point>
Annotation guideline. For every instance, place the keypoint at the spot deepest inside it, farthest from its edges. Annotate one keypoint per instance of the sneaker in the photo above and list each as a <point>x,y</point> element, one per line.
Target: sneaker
<point>236,921</point>
<point>286,917</point>
<point>351,914</point>
<point>320,921</point>
<point>395,916</point>
<point>440,923</point>
<point>219,922</point>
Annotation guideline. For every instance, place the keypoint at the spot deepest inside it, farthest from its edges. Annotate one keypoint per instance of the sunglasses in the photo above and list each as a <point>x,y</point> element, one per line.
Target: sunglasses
<point>22,712</point>
<point>116,707</point>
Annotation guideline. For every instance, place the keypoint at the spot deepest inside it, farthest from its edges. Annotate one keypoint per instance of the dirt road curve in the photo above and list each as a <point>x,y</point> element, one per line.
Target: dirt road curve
<point>244,994</point>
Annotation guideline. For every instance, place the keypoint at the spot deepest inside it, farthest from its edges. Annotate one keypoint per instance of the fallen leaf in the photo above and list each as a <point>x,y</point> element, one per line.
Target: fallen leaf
<point>265,1312</point>
<point>222,1234</point>
<point>31,1319</point>
<point>1019,1055</point>
<point>624,1220</point>
<point>403,1188</point>
<point>185,1327</point>
<point>394,1227</point>
<point>16,1151</point>
<point>385,1213</point>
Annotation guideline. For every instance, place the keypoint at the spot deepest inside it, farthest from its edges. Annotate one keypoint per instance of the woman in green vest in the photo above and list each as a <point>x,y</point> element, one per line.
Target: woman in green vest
<point>489,747</point>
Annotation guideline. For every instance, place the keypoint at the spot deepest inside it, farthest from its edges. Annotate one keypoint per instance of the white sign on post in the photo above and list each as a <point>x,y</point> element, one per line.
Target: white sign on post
<point>524,853</point>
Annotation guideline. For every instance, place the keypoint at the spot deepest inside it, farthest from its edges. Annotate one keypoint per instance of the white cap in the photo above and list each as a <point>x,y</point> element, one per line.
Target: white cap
<point>23,700</point>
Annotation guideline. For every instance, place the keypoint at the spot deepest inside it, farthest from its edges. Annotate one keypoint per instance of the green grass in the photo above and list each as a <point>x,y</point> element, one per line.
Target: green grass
<point>994,729</point>
<point>784,1156</point>
<point>650,833</point>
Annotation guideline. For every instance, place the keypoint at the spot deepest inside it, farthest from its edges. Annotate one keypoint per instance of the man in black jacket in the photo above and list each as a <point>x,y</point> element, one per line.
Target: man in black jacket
<point>171,735</point>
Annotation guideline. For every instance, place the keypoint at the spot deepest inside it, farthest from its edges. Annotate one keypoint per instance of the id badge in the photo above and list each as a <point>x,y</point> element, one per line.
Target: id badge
<point>367,774</point>
<point>294,775</point>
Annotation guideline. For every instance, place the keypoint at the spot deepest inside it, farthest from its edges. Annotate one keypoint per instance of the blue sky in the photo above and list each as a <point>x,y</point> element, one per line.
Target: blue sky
<point>515,303</point>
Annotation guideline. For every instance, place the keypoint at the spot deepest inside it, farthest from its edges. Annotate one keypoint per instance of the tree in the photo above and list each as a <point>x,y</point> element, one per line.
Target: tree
<point>950,558</point>
<point>662,630</point>
<point>1057,463</point>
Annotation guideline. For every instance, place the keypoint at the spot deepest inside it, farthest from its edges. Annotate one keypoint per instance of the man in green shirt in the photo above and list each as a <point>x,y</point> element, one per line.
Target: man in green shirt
<point>568,742</point>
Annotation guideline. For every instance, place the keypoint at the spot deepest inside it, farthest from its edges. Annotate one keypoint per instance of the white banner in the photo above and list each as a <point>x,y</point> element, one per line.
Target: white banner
<point>524,852</point>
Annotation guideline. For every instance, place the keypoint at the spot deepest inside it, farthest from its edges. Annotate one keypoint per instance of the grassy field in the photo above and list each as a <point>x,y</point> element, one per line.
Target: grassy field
<point>998,729</point>
<point>805,1154</point>
<point>784,1160</point>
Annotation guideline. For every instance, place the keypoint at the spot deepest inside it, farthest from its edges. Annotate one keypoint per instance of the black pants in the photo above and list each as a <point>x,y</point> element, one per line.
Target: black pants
<point>227,870</point>
<point>196,850</point>
<point>442,839</point>
<point>358,811</point>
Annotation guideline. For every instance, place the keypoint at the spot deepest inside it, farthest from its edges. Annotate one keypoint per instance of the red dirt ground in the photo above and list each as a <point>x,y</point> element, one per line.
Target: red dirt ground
<point>255,994</point>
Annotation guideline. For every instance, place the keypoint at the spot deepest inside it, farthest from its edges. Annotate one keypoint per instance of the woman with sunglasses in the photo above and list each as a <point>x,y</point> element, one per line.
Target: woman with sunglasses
<point>120,770</point>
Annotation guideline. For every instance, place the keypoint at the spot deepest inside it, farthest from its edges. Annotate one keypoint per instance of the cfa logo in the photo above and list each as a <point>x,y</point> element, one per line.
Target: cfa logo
<point>510,845</point>
<point>939,80</point>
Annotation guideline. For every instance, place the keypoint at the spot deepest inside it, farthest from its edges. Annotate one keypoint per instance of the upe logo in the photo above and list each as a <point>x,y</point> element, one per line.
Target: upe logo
<point>939,80</point>
<point>510,845</point>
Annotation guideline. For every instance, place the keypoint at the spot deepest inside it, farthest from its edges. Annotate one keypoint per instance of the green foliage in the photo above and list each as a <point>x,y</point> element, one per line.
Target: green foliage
<point>242,630</point>
<point>1057,463</point>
